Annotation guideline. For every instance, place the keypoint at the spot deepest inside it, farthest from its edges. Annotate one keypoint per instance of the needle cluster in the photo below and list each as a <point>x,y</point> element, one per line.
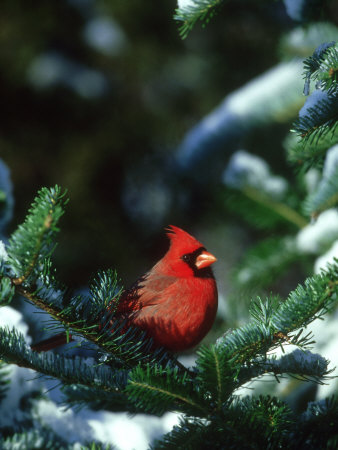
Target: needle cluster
<point>129,376</point>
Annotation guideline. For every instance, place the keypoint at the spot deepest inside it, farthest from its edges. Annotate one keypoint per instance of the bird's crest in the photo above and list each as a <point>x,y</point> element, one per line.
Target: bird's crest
<point>182,239</point>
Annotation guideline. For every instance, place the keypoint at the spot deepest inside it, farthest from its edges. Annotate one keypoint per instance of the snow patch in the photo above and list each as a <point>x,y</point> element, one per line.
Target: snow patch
<point>323,261</point>
<point>3,253</point>
<point>331,162</point>
<point>317,236</point>
<point>245,169</point>
<point>185,3</point>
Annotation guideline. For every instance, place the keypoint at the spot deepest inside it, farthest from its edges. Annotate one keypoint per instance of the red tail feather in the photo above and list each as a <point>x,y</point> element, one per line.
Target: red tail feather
<point>53,342</point>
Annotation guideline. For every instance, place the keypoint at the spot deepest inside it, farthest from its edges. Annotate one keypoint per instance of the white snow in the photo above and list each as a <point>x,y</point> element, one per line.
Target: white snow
<point>245,169</point>
<point>317,236</point>
<point>184,3</point>
<point>312,179</point>
<point>275,186</point>
<point>10,317</point>
<point>119,429</point>
<point>326,335</point>
<point>327,258</point>
<point>21,379</point>
<point>3,253</point>
<point>331,161</point>
<point>281,83</point>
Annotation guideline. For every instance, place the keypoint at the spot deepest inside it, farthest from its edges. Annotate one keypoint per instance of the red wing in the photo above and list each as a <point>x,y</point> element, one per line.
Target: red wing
<point>148,290</point>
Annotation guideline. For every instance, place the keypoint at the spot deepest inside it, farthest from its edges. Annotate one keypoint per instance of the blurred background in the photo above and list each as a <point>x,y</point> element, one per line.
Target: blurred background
<point>97,97</point>
<point>145,129</point>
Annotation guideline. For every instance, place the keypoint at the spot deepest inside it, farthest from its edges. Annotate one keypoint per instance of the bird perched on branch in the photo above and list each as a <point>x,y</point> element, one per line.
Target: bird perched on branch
<point>175,302</point>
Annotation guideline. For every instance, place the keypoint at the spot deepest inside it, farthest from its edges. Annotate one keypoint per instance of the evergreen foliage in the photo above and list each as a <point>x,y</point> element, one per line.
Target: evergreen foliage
<point>276,212</point>
<point>2,201</point>
<point>34,240</point>
<point>127,374</point>
<point>157,390</point>
<point>29,251</point>
<point>319,116</point>
<point>14,350</point>
<point>262,211</point>
<point>194,11</point>
<point>266,262</point>
<point>322,68</point>
<point>45,439</point>
<point>312,153</point>
<point>6,291</point>
<point>4,380</point>
<point>324,197</point>
<point>155,385</point>
<point>319,425</point>
<point>319,119</point>
<point>80,396</point>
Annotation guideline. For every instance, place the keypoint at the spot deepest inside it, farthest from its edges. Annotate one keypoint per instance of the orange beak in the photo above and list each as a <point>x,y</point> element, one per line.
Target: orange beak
<point>205,259</point>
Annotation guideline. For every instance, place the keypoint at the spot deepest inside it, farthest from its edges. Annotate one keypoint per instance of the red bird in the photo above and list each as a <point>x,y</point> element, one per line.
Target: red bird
<point>176,301</point>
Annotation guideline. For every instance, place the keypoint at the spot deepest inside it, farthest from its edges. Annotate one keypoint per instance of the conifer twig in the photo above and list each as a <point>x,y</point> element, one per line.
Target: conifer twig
<point>281,209</point>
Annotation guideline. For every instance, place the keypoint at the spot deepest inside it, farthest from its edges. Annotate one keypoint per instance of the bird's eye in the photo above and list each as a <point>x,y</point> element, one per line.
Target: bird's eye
<point>185,258</point>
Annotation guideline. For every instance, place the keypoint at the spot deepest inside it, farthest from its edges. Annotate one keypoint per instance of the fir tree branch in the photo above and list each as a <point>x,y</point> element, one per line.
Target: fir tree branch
<point>308,302</point>
<point>324,197</point>
<point>4,380</point>
<point>247,423</point>
<point>256,210</point>
<point>6,290</point>
<point>303,305</point>
<point>241,354</point>
<point>215,374</point>
<point>266,416</point>
<point>322,66</point>
<point>14,350</point>
<point>97,324</point>
<point>205,393</point>
<point>33,241</point>
<point>44,438</point>
<point>318,120</point>
<point>299,364</point>
<point>218,377</point>
<point>175,398</point>
<point>29,256</point>
<point>189,15</point>
<point>320,112</point>
<point>279,208</point>
<point>266,262</point>
<point>307,154</point>
<point>157,390</point>
<point>80,396</point>
<point>188,435</point>
<point>327,74</point>
<point>317,425</point>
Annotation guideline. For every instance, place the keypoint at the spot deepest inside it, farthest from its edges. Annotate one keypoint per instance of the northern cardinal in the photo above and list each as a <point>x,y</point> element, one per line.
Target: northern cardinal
<point>175,302</point>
